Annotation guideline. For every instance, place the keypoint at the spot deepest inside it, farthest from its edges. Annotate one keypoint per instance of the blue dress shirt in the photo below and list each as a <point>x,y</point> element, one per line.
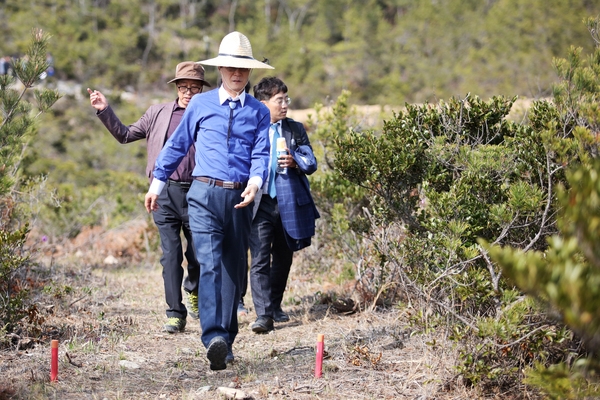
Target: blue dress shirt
<point>238,152</point>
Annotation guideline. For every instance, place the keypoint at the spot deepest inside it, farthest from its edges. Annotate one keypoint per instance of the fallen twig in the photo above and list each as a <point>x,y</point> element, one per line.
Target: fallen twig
<point>73,362</point>
<point>79,299</point>
<point>300,349</point>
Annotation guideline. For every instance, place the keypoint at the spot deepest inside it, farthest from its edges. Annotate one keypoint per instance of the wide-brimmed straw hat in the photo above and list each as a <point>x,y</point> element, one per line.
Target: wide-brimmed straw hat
<point>235,51</point>
<point>190,70</point>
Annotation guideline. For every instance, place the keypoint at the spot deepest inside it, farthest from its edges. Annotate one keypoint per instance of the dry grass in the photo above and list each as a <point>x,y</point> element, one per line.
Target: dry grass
<point>109,323</point>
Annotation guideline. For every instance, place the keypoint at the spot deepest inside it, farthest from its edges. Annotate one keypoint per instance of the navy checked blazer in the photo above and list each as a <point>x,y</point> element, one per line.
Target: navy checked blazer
<point>296,206</point>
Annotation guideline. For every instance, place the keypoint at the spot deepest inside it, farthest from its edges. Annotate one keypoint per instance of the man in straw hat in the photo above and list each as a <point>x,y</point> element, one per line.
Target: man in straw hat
<point>171,217</point>
<point>230,131</point>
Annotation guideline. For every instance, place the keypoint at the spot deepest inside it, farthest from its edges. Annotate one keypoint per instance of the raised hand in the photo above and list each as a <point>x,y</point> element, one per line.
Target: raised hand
<point>97,99</point>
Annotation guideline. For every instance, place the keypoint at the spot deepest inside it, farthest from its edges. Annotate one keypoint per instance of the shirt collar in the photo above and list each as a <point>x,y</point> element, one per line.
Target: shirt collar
<point>176,105</point>
<point>224,96</point>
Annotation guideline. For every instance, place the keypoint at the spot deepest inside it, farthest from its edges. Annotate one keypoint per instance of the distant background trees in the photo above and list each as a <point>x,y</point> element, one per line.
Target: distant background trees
<point>383,51</point>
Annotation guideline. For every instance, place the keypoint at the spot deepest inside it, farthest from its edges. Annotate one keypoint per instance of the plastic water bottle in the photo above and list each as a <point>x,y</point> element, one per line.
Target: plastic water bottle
<point>281,152</point>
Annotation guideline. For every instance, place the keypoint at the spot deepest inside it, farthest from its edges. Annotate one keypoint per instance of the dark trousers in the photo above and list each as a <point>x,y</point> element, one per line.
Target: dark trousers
<point>221,241</point>
<point>170,219</point>
<point>271,258</point>
<point>244,286</point>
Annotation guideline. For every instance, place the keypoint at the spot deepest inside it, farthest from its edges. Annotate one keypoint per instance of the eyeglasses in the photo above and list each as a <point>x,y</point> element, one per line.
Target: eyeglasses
<point>282,100</point>
<point>192,89</point>
<point>231,70</point>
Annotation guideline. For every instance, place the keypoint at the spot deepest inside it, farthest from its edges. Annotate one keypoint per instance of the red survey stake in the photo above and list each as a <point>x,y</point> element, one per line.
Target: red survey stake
<point>54,361</point>
<point>319,361</point>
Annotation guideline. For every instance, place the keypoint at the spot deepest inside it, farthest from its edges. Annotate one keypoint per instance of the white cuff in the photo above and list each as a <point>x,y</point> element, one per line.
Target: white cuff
<point>256,180</point>
<point>156,186</point>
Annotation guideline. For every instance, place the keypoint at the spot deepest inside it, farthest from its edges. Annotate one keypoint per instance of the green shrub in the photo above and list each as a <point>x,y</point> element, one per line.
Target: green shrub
<point>13,286</point>
<point>566,277</point>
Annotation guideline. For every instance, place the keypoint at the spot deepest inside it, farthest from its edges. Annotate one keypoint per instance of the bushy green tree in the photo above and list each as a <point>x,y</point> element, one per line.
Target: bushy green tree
<point>566,276</point>
<point>566,279</point>
<point>339,201</point>
<point>18,113</point>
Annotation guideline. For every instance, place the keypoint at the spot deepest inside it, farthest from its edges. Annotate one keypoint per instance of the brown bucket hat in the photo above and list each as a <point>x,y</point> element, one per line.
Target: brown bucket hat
<point>190,70</point>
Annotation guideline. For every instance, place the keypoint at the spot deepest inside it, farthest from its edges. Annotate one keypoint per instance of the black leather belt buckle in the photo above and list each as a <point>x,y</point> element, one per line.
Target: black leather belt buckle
<point>181,184</point>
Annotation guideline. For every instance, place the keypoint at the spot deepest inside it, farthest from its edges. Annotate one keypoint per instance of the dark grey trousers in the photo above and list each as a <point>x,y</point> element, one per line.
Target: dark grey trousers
<point>171,219</point>
<point>271,258</point>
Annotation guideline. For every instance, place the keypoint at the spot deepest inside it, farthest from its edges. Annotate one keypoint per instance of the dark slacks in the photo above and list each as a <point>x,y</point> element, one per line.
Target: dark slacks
<point>171,219</point>
<point>271,258</point>
<point>221,241</point>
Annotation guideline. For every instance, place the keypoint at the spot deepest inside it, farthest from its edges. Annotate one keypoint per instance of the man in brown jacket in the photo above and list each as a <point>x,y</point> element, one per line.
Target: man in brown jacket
<point>156,126</point>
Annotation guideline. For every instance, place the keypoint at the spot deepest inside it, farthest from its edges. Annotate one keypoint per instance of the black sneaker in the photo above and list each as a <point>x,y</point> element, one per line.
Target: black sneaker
<point>262,325</point>
<point>280,316</point>
<point>216,352</point>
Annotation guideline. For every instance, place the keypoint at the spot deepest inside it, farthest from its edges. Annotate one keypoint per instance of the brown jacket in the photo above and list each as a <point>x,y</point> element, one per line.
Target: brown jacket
<point>152,126</point>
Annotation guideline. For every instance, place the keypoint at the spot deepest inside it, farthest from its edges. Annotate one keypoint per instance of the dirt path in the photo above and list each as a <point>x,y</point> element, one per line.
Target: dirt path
<point>112,346</point>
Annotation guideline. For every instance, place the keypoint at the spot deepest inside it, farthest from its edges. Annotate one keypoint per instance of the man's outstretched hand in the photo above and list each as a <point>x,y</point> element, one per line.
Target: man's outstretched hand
<point>248,196</point>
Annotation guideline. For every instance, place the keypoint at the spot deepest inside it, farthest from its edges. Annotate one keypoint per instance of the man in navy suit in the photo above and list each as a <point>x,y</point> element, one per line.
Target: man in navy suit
<point>284,211</point>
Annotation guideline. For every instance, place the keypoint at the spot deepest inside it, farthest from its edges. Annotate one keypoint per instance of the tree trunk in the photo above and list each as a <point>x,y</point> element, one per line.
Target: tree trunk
<point>232,15</point>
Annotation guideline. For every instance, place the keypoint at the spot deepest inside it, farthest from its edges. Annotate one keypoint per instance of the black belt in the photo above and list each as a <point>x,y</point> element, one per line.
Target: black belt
<point>223,184</point>
<point>182,184</point>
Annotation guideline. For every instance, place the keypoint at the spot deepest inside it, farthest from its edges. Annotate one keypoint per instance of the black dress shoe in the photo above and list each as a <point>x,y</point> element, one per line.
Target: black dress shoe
<point>280,316</point>
<point>262,325</point>
<point>216,352</point>
<point>230,358</point>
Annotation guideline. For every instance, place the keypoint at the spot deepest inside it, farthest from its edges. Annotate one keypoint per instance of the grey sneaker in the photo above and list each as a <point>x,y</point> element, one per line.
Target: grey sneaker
<point>192,304</point>
<point>175,325</point>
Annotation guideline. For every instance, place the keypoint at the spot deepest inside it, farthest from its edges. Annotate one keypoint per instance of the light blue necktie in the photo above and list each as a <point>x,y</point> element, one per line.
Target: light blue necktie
<point>271,187</point>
